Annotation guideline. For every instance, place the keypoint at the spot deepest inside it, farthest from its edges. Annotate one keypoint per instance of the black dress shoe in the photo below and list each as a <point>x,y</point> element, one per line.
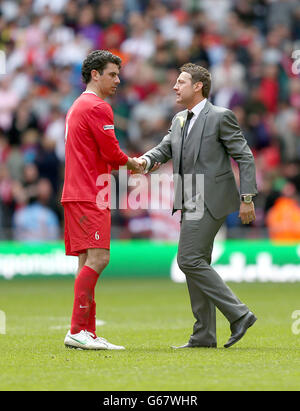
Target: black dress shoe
<point>189,345</point>
<point>239,328</point>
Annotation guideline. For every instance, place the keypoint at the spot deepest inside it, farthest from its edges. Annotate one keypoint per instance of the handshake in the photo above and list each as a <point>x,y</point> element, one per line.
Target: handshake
<point>138,165</point>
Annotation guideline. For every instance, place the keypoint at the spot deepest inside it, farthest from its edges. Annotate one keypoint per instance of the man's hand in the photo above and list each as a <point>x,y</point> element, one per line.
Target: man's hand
<point>155,167</point>
<point>143,164</point>
<point>136,165</point>
<point>247,213</point>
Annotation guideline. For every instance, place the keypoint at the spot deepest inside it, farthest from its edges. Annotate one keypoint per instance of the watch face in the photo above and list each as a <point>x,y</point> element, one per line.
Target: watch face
<point>247,199</point>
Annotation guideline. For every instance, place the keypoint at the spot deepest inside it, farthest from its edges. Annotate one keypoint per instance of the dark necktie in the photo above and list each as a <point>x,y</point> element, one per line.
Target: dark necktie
<point>186,126</point>
<point>183,137</point>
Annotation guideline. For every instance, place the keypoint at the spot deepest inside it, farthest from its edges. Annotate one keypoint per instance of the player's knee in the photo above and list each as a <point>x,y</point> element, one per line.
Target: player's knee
<point>101,263</point>
<point>98,261</point>
<point>105,260</point>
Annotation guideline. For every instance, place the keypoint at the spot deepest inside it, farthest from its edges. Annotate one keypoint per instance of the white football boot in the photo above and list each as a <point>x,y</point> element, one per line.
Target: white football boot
<point>85,341</point>
<point>82,340</point>
<point>103,344</point>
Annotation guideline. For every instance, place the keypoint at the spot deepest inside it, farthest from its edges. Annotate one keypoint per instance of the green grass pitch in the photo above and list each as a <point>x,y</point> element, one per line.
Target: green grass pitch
<point>147,316</point>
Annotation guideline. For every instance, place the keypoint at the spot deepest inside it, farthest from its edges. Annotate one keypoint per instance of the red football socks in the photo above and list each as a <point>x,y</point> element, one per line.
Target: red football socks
<point>91,327</point>
<point>84,308</point>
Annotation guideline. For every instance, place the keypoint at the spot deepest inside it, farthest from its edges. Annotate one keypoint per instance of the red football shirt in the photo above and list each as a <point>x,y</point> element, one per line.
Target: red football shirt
<point>92,148</point>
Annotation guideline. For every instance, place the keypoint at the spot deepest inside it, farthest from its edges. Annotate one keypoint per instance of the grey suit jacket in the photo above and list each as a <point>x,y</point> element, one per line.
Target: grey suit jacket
<point>212,140</point>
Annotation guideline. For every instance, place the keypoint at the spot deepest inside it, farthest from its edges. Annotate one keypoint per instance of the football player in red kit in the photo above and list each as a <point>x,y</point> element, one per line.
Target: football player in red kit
<point>92,150</point>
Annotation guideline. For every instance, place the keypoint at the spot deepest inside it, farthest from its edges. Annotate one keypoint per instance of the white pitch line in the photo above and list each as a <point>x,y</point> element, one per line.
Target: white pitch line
<point>62,327</point>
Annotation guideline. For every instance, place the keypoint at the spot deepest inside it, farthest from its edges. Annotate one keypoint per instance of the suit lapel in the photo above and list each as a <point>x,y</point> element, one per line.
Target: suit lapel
<point>178,139</point>
<point>195,135</point>
<point>196,132</point>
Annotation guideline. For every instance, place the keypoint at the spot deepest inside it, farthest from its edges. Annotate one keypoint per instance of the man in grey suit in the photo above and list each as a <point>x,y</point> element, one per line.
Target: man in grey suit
<point>200,141</point>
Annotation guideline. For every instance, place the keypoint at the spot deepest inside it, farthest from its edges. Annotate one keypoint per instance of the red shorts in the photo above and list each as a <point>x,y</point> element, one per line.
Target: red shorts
<point>86,226</point>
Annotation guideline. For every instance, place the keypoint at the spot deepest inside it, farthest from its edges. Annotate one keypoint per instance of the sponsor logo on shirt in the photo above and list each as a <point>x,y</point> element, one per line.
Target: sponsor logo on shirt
<point>109,127</point>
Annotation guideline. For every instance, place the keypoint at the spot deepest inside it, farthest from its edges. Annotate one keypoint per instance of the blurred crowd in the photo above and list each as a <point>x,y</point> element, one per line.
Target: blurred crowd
<point>248,47</point>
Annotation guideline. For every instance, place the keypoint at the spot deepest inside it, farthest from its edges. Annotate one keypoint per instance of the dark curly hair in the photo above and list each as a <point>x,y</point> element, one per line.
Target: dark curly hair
<point>198,73</point>
<point>98,60</point>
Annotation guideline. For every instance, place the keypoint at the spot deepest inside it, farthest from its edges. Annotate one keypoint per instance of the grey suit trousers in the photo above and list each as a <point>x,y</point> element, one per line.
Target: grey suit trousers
<point>206,288</point>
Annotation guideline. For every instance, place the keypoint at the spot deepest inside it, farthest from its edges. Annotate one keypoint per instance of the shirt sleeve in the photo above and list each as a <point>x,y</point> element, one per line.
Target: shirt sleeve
<point>101,123</point>
<point>148,163</point>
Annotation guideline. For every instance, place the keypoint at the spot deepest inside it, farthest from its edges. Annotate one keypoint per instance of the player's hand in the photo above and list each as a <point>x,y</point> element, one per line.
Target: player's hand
<point>136,165</point>
<point>155,166</point>
<point>143,162</point>
<point>247,213</point>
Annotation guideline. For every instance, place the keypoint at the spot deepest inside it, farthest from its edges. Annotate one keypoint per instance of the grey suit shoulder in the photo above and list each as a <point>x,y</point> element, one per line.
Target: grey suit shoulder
<point>219,109</point>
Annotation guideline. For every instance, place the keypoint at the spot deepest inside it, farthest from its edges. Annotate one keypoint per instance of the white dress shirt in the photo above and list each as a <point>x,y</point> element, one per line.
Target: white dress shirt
<point>196,110</point>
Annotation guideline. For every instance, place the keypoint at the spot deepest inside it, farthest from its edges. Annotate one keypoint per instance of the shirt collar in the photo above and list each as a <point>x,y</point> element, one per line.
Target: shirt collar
<point>89,92</point>
<point>199,107</point>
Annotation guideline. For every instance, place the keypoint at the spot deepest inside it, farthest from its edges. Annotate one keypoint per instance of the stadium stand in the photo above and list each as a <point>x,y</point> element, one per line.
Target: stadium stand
<point>247,46</point>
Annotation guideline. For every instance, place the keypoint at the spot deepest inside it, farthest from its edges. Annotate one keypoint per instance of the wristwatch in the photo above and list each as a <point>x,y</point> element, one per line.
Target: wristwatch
<point>246,198</point>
